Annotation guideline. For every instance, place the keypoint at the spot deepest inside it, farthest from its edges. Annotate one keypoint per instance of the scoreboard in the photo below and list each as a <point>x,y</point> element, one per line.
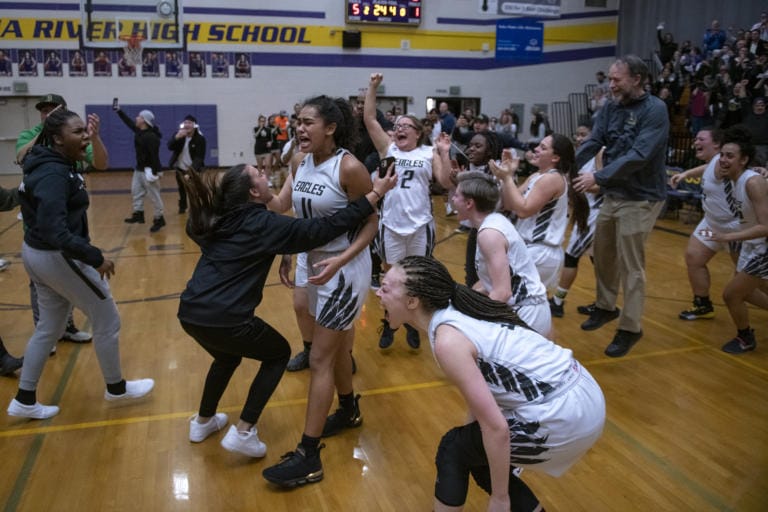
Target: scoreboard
<point>399,12</point>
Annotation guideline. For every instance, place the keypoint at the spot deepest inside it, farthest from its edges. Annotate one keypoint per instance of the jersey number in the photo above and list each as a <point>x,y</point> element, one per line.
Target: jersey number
<point>407,176</point>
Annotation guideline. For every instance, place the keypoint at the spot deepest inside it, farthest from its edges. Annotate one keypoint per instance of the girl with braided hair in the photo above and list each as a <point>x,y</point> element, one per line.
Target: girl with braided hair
<point>531,404</point>
<point>63,264</point>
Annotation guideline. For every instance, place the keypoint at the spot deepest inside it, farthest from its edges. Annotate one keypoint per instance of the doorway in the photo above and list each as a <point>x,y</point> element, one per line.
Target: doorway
<point>18,114</point>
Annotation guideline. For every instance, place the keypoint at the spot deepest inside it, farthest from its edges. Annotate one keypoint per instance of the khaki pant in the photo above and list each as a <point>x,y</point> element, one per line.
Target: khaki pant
<point>619,252</point>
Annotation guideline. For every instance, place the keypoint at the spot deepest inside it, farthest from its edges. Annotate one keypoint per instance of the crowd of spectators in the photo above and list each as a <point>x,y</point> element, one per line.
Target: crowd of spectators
<point>725,78</point>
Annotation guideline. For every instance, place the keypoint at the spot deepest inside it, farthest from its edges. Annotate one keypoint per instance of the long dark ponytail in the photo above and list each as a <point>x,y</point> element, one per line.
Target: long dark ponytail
<point>563,147</point>
<point>213,193</point>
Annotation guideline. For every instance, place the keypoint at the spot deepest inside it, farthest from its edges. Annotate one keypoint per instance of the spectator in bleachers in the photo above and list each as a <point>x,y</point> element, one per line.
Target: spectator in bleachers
<point>755,45</point>
<point>714,38</point>
<point>447,119</point>
<point>667,44</point>
<point>755,119</point>
<point>698,107</point>
<point>539,127</point>
<point>762,26</point>
<point>602,83</point>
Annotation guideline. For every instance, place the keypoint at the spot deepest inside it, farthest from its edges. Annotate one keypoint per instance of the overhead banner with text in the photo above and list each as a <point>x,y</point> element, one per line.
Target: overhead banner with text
<point>520,39</point>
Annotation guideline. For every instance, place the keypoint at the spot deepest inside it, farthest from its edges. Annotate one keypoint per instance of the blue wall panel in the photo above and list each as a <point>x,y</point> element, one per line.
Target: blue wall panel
<point>118,138</point>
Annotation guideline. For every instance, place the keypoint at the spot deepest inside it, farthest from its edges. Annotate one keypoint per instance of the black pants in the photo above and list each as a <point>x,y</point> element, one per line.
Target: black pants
<point>228,346</point>
<point>182,191</point>
<point>460,454</point>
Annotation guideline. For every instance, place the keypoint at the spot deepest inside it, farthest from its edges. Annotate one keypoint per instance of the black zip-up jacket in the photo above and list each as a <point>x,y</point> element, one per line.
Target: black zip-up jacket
<point>196,150</point>
<point>228,282</point>
<point>146,143</point>
<point>54,204</point>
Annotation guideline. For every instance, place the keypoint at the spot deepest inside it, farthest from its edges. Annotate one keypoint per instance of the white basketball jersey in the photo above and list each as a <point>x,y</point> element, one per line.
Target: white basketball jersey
<point>408,206</point>
<point>549,224</point>
<point>317,192</point>
<point>717,200</point>
<point>520,366</point>
<point>526,282</point>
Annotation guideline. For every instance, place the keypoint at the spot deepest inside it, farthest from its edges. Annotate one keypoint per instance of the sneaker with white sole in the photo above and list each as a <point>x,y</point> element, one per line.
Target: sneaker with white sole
<point>4,264</point>
<point>35,412</point>
<point>75,335</point>
<point>133,389</point>
<point>247,443</point>
<point>200,431</point>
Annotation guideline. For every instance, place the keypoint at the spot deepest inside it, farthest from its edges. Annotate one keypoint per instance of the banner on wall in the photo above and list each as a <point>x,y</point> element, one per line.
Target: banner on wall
<point>520,39</point>
<point>537,8</point>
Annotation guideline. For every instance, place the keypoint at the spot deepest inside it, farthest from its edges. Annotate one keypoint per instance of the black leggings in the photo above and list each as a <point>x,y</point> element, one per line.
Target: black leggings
<point>460,454</point>
<point>228,346</point>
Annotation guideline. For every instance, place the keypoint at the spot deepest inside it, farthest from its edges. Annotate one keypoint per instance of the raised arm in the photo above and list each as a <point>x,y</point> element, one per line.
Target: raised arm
<point>100,159</point>
<point>379,137</point>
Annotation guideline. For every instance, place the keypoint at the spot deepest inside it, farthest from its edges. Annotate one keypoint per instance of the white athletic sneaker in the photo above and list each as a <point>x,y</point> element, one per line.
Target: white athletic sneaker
<point>73,334</point>
<point>36,412</point>
<point>199,431</point>
<point>133,389</point>
<point>4,264</point>
<point>247,443</point>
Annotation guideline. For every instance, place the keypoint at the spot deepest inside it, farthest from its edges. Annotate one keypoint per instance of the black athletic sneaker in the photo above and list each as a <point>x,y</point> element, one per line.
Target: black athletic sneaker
<point>299,362</point>
<point>342,419</point>
<point>387,335</point>
<point>412,337</point>
<point>296,468</point>
<point>700,310</point>
<point>9,364</point>
<point>741,344</point>
<point>622,343</point>
<point>557,310</point>
<point>586,310</point>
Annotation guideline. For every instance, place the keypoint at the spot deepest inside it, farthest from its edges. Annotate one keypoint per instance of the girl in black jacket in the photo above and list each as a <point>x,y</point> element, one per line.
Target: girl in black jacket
<point>239,239</point>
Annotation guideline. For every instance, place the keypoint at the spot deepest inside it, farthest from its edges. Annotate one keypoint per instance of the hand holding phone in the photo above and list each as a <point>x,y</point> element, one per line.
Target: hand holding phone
<point>384,165</point>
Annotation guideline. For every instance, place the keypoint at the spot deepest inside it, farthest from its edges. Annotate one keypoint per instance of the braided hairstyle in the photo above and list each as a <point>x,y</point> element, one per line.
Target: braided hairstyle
<point>428,280</point>
<point>212,194</point>
<point>53,124</point>
<point>339,111</point>
<point>492,145</point>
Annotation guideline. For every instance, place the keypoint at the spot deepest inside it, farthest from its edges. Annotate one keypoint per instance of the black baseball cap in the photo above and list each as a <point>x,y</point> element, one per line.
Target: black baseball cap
<point>50,99</point>
<point>481,118</point>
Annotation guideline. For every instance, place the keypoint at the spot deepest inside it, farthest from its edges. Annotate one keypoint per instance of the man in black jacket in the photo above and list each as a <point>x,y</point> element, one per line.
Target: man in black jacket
<point>146,174</point>
<point>188,147</point>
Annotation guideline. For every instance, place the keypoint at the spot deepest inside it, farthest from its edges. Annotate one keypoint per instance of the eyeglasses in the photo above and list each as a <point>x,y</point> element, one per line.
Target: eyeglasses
<point>404,126</point>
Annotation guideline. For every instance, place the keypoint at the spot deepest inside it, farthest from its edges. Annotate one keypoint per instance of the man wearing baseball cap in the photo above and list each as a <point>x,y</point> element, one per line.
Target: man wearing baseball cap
<point>96,154</point>
<point>148,170</point>
<point>96,157</point>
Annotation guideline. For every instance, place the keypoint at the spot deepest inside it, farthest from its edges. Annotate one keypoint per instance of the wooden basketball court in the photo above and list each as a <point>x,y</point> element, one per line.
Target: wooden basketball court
<point>687,426</point>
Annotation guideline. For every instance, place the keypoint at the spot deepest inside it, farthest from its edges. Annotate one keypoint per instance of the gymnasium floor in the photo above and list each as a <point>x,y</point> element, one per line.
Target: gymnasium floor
<point>687,425</point>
